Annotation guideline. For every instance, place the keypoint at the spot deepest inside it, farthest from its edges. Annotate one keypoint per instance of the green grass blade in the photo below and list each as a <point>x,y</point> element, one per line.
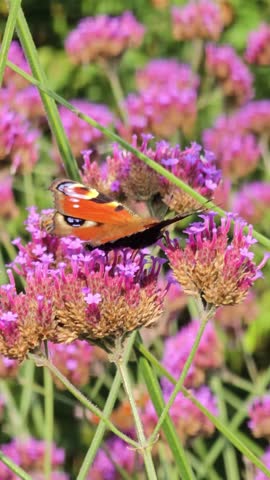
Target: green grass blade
<point>8,34</point>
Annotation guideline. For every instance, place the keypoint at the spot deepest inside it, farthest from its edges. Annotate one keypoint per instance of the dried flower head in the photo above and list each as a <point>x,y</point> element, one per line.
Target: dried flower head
<point>178,347</point>
<point>212,266</point>
<point>202,19</point>
<point>258,46</point>
<point>259,414</point>
<point>236,80</point>
<point>252,202</point>
<point>103,37</point>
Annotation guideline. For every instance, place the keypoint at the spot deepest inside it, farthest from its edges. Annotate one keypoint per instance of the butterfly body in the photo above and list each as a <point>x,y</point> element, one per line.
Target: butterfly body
<point>98,220</point>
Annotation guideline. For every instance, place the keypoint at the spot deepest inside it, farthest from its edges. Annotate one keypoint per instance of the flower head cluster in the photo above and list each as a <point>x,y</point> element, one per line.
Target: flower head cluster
<point>237,151</point>
<point>18,140</point>
<point>8,367</point>
<point>259,414</point>
<point>8,208</point>
<point>236,80</point>
<point>258,46</point>
<point>164,71</point>
<point>266,460</point>
<point>252,202</point>
<point>28,104</point>
<point>209,355</point>
<point>80,134</point>
<point>254,116</point>
<point>189,421</point>
<point>115,453</point>
<point>29,455</point>
<point>73,361</point>
<point>213,266</point>
<point>16,55</point>
<point>103,37</point>
<point>77,295</point>
<point>235,318</point>
<point>202,19</point>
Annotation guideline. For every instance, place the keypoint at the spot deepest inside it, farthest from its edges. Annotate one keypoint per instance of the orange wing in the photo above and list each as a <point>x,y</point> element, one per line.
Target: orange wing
<point>76,200</point>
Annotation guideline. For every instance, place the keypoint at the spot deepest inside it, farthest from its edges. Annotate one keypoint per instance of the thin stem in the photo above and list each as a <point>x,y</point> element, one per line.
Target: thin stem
<point>27,390</point>
<point>49,422</point>
<point>80,397</point>
<point>28,189</point>
<point>264,146</point>
<point>14,468</point>
<point>145,447</point>
<point>8,34</point>
<point>197,47</point>
<point>113,394</point>
<point>180,382</point>
<point>110,71</point>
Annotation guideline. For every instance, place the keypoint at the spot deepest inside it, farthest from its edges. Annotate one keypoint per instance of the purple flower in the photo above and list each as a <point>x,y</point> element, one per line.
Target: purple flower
<point>224,64</point>
<point>103,37</point>
<point>258,51</point>
<point>266,460</point>
<point>259,414</point>
<point>8,208</point>
<point>202,19</point>
<point>178,347</point>
<point>255,117</point>
<point>164,71</point>
<point>16,55</point>
<point>212,266</point>
<point>252,201</point>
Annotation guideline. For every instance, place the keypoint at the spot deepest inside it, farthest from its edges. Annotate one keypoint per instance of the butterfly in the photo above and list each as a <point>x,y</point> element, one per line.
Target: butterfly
<point>99,220</point>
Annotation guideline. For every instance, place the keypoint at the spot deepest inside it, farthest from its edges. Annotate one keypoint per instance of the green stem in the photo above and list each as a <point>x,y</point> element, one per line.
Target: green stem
<point>27,390</point>
<point>151,163</point>
<point>80,397</point>
<point>49,422</point>
<point>14,468</point>
<point>111,73</point>
<point>145,447</point>
<point>99,434</point>
<point>15,423</point>
<point>197,47</point>
<point>28,189</point>
<point>49,104</point>
<point>180,382</point>
<point>8,34</point>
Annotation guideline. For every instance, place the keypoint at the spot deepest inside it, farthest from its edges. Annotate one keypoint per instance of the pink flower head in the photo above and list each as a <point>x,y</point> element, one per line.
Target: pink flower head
<point>80,134</point>
<point>8,367</point>
<point>224,64</point>
<point>8,208</point>
<point>212,266</point>
<point>16,55</point>
<point>116,452</point>
<point>164,71</point>
<point>73,361</point>
<point>252,202</point>
<point>258,46</point>
<point>202,19</point>
<point>237,151</point>
<point>235,318</point>
<point>103,37</point>
<point>266,460</point>
<point>259,414</point>
<point>254,116</point>
<point>178,347</point>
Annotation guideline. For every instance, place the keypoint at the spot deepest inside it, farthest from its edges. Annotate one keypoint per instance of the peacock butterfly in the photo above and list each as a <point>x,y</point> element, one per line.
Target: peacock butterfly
<point>98,220</point>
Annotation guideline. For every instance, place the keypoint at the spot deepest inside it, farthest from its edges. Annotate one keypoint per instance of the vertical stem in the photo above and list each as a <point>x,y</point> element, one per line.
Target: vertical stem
<point>113,78</point>
<point>8,34</point>
<point>179,384</point>
<point>28,189</point>
<point>197,47</point>
<point>49,420</point>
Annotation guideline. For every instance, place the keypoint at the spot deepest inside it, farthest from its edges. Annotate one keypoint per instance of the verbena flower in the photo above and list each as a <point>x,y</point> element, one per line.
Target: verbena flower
<point>165,71</point>
<point>237,151</point>
<point>81,135</point>
<point>266,460</point>
<point>8,367</point>
<point>177,350</point>
<point>103,37</point>
<point>235,318</point>
<point>73,361</point>
<point>8,208</point>
<point>258,46</point>
<point>212,266</point>
<point>259,415</point>
<point>236,80</point>
<point>115,453</point>
<point>252,202</point>
<point>188,420</point>
<point>16,55</point>
<point>254,116</point>
<point>202,19</point>
<point>29,454</point>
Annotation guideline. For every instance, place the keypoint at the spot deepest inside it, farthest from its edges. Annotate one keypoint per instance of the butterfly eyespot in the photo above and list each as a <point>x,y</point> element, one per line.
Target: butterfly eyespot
<point>74,222</point>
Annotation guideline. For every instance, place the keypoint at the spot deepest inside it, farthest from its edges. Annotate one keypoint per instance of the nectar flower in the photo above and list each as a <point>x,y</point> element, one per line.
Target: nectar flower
<point>252,202</point>
<point>254,116</point>
<point>165,71</point>
<point>212,266</point>
<point>16,55</point>
<point>237,151</point>
<point>8,207</point>
<point>235,77</point>
<point>235,318</point>
<point>259,414</point>
<point>266,460</point>
<point>8,367</point>
<point>258,46</point>
<point>178,347</point>
<point>202,19</point>
<point>73,361</point>
<point>103,37</point>
<point>80,134</point>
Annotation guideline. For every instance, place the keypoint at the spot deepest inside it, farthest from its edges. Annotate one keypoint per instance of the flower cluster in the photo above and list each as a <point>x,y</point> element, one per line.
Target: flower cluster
<point>202,19</point>
<point>178,347</point>
<point>8,208</point>
<point>259,414</point>
<point>29,455</point>
<point>258,49</point>
<point>235,318</point>
<point>73,361</point>
<point>8,367</point>
<point>236,80</point>
<point>237,151</point>
<point>16,55</point>
<point>164,71</point>
<point>103,37</point>
<point>252,201</point>
<point>254,116</point>
<point>266,460</point>
<point>212,266</point>
<point>81,135</point>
